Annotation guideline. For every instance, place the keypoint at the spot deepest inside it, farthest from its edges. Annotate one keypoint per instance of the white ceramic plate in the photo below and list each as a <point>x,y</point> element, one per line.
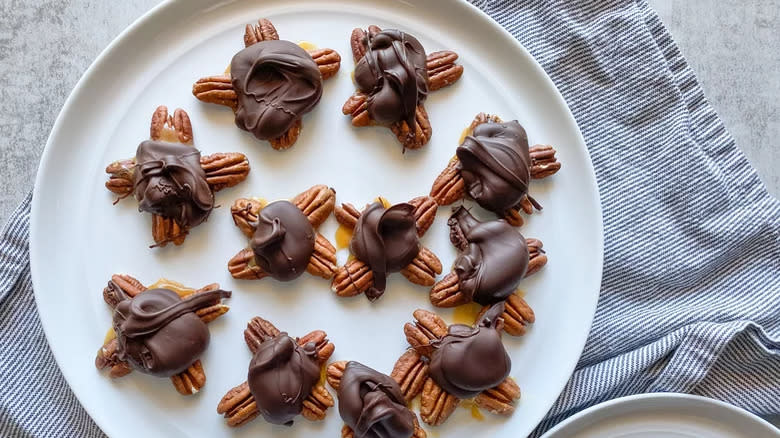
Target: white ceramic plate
<point>79,239</point>
<point>664,415</point>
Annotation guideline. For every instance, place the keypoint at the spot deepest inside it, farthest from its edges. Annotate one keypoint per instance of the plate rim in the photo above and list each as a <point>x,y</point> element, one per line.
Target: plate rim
<point>603,408</point>
<point>144,20</point>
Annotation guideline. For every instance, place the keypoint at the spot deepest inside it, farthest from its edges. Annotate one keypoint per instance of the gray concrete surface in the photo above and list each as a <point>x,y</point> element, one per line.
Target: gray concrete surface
<point>45,46</point>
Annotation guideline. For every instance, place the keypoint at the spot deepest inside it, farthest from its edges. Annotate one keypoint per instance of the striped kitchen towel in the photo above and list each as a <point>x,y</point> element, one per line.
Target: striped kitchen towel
<point>690,298</point>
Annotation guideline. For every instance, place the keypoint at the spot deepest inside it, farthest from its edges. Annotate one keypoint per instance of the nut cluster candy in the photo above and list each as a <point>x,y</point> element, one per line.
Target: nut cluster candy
<point>283,378</point>
<point>170,178</point>
<point>270,85</point>
<point>493,165</point>
<point>394,76</point>
<point>284,242</point>
<point>160,330</point>
<point>385,240</point>
<point>447,364</point>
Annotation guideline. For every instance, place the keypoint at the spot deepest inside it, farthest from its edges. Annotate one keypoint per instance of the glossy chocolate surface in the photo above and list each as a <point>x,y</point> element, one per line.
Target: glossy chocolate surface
<point>276,82</point>
<point>169,181</point>
<point>281,376</point>
<point>495,164</point>
<point>158,332</point>
<point>372,405</point>
<point>283,241</point>
<point>386,240</point>
<point>469,360</point>
<point>493,257</point>
<point>393,75</point>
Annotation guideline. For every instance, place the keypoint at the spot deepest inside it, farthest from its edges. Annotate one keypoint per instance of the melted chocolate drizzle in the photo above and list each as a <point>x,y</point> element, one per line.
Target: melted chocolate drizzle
<point>393,75</point>
<point>372,404</point>
<point>469,360</point>
<point>277,82</point>
<point>386,240</point>
<point>283,241</point>
<point>158,332</point>
<point>495,164</point>
<point>493,258</point>
<point>281,376</point>
<point>169,181</point>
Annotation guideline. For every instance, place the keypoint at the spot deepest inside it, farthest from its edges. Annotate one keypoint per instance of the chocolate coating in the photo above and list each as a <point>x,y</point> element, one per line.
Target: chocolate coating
<point>283,241</point>
<point>493,258</point>
<point>393,75</point>
<point>372,404</point>
<point>281,376</point>
<point>277,82</point>
<point>386,240</point>
<point>169,181</point>
<point>495,164</point>
<point>158,332</point>
<point>469,360</point>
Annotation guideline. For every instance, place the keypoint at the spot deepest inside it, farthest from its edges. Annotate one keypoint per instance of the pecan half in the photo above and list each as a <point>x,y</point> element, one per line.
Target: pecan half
<point>216,89</point>
<point>129,286</point>
<point>501,399</point>
<point>449,186</point>
<point>357,43</point>
<point>328,61</point>
<point>244,267</point>
<point>191,380</point>
<point>543,161</point>
<point>517,315</point>
<point>175,128</point>
<point>427,327</point>
<point>423,269</point>
<point>323,261</point>
<point>357,108</point>
<point>354,278</point>
<point>436,405</point>
<point>442,70</point>
<point>537,257</point>
<point>288,138</point>
<point>166,230</point>
<point>238,406</point>
<point>107,358</point>
<point>316,203</point>
<point>257,331</point>
<point>120,178</point>
<point>224,170</point>
<point>245,212</point>
<point>347,215</point>
<point>410,371</point>
<point>264,30</point>
<point>446,292</point>
<point>334,373</point>
<point>323,346</point>
<point>317,403</point>
<point>424,212</point>
<point>210,313</point>
<point>422,132</point>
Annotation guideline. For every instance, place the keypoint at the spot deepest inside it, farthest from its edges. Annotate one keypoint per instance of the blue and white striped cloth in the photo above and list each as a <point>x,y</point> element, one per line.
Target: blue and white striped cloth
<point>690,300</point>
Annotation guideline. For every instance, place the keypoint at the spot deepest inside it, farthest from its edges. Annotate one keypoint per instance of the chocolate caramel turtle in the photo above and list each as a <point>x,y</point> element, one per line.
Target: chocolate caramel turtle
<point>448,364</point>
<point>283,380</point>
<point>494,166</point>
<point>270,84</point>
<point>283,238</point>
<point>393,76</point>
<point>371,404</point>
<point>385,239</point>
<point>493,258</point>
<point>159,330</point>
<point>171,180</point>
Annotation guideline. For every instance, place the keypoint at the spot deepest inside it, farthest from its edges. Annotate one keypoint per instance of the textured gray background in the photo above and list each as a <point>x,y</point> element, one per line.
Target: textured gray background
<point>45,46</point>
